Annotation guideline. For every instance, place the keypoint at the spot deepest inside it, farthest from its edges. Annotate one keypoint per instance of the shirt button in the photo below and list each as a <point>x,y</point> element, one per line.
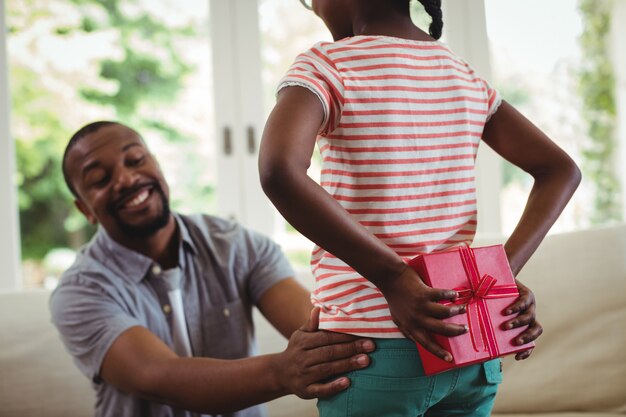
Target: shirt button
<point>167,309</point>
<point>156,270</point>
<point>227,312</point>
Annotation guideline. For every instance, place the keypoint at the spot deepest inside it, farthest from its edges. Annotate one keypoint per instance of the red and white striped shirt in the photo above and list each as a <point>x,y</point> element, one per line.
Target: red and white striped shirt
<point>403,120</point>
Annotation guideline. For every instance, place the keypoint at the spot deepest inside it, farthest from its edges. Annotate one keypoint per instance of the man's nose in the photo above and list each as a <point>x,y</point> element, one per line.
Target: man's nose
<point>124,179</point>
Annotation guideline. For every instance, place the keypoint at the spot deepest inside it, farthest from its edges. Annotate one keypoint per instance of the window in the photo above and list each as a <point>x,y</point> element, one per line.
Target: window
<point>147,64</point>
<point>541,73</point>
<point>198,77</point>
<point>282,40</point>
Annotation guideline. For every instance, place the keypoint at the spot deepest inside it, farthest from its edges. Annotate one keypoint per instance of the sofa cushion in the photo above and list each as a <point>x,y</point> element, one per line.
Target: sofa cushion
<point>37,376</point>
<point>579,364</point>
<point>578,368</point>
<point>581,414</point>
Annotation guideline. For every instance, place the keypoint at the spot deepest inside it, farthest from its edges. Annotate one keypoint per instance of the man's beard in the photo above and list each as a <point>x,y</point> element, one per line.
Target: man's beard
<point>148,229</point>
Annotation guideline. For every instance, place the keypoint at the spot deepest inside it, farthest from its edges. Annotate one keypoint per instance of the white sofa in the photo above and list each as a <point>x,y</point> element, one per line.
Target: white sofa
<point>578,368</point>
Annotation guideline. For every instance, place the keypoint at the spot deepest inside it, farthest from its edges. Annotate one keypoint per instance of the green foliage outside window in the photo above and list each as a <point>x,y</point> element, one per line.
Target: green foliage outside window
<point>142,69</point>
<point>597,89</point>
<point>515,93</point>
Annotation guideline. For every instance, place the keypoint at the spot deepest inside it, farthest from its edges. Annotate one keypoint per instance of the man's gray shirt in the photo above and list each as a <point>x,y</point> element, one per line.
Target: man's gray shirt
<point>226,269</point>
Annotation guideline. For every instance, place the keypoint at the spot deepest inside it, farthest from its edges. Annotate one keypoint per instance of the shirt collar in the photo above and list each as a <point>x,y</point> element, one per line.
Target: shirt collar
<point>135,266</point>
<point>185,237</point>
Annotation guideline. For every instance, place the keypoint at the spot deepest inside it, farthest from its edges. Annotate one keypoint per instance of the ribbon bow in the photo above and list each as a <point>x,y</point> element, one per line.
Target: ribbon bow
<point>475,296</point>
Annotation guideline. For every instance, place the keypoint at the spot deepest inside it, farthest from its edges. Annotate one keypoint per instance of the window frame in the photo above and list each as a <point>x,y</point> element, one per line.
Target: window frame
<point>466,34</point>
<point>237,94</point>
<point>10,257</point>
<point>618,34</point>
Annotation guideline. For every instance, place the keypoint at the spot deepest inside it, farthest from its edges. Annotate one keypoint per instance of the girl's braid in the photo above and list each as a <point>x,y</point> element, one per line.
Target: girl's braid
<point>433,8</point>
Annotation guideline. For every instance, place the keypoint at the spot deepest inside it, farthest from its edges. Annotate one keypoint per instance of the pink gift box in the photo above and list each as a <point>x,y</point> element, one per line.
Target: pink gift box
<point>483,278</point>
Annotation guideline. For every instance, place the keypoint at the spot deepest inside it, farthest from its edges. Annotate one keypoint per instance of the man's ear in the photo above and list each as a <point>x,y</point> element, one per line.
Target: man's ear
<point>86,212</point>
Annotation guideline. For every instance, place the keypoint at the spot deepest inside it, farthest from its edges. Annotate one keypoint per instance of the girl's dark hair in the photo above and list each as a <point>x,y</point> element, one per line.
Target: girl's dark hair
<point>433,8</point>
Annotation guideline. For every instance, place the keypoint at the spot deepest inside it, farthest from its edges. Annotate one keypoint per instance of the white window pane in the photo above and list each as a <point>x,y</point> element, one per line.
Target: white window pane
<point>145,63</point>
<point>538,73</point>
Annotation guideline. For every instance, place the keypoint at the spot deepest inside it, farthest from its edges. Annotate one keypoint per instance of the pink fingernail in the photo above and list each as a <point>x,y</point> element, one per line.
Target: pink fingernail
<point>368,345</point>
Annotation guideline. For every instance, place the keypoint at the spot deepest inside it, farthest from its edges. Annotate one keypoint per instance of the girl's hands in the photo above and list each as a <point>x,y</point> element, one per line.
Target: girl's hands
<point>524,306</point>
<point>415,310</point>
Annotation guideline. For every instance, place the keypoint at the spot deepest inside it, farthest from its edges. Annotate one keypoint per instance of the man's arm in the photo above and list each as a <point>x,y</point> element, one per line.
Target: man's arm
<point>138,362</point>
<point>286,305</point>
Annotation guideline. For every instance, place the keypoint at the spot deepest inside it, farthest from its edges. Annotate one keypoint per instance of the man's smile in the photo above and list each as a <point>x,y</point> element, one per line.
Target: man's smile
<point>143,196</point>
<point>136,199</point>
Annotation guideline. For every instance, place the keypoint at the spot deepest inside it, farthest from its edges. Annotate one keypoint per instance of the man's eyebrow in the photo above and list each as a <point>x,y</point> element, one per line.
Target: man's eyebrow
<point>90,166</point>
<point>96,163</point>
<point>130,145</point>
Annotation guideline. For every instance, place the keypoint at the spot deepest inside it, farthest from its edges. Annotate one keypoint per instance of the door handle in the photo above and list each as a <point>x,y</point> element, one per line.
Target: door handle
<point>228,141</point>
<point>251,140</point>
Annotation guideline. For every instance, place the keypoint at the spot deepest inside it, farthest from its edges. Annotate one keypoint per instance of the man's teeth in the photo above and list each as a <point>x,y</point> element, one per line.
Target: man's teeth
<point>139,199</point>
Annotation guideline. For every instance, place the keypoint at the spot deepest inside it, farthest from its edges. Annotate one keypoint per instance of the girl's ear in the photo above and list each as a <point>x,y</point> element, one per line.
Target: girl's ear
<point>80,205</point>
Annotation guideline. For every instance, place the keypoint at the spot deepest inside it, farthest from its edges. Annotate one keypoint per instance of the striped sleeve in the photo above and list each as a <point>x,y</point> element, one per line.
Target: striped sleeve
<point>490,93</point>
<point>493,99</point>
<point>315,71</point>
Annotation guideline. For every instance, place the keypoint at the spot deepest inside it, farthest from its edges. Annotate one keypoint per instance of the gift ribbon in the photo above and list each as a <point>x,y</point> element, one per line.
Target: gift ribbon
<point>475,296</point>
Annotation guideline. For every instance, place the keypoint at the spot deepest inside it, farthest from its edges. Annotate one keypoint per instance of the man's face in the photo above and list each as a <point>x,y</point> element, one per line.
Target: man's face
<point>119,183</point>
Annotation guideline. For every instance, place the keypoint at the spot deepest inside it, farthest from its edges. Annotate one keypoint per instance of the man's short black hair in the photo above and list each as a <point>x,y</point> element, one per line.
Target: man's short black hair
<point>76,137</point>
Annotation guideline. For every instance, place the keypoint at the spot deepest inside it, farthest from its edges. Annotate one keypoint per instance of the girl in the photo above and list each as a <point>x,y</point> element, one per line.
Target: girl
<point>398,118</point>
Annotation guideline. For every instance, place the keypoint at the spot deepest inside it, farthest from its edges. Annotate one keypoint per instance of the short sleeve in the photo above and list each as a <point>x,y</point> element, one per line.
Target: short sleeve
<point>491,95</point>
<point>316,71</point>
<point>493,99</point>
<point>262,262</point>
<point>89,321</point>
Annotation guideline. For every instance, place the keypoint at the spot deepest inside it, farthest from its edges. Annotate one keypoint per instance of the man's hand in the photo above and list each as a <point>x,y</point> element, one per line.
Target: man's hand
<point>524,307</point>
<point>141,364</point>
<point>415,310</point>
<point>314,356</point>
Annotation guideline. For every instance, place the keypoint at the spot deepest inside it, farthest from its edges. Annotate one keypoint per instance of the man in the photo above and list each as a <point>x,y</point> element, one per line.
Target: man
<point>156,310</point>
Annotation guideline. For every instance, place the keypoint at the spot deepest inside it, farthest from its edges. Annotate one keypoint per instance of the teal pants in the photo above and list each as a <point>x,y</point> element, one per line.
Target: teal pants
<point>394,385</point>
